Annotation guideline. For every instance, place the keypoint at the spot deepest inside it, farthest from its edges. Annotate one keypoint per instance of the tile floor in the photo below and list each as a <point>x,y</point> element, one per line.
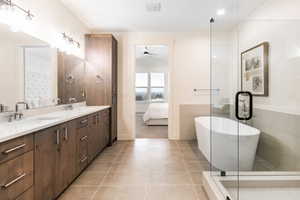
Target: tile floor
<point>144,131</point>
<point>144,169</point>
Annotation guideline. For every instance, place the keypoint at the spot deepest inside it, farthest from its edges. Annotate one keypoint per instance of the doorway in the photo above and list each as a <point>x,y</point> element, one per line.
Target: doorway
<point>152,91</point>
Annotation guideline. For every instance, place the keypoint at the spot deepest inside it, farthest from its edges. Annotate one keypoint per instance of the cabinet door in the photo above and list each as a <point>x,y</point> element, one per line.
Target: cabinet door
<point>46,150</point>
<point>105,127</point>
<point>94,136</point>
<point>66,160</point>
<point>95,84</point>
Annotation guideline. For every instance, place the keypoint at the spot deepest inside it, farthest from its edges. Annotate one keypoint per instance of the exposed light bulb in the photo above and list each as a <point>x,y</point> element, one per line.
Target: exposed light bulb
<point>15,17</point>
<point>221,11</point>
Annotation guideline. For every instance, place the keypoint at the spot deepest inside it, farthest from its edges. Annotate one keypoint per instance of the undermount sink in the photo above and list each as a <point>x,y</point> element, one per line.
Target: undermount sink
<point>47,118</point>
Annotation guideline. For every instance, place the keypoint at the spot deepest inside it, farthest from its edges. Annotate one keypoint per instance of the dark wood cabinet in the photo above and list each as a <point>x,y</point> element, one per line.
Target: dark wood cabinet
<point>46,153</point>
<point>27,195</point>
<point>66,158</point>
<point>82,139</point>
<point>16,147</point>
<point>101,87</point>
<point>71,78</point>
<point>105,127</point>
<point>55,161</point>
<point>99,133</point>
<point>46,162</point>
<point>94,136</point>
<point>16,176</point>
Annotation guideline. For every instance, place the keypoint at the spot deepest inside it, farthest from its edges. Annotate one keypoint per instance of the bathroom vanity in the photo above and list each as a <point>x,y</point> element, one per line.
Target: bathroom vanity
<point>41,156</point>
<point>57,113</point>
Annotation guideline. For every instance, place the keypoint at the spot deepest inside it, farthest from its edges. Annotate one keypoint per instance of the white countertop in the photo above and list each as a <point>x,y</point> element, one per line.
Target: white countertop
<point>11,130</point>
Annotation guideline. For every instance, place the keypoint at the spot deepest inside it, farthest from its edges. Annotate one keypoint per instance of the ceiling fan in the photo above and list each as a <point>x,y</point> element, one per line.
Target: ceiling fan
<point>147,52</point>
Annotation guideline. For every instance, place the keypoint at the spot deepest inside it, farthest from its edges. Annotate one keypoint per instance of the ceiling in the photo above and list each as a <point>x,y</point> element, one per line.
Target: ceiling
<point>175,15</point>
<point>158,56</point>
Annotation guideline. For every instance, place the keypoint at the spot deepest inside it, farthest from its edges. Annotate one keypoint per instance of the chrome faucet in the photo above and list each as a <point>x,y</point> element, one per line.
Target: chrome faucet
<point>18,114</point>
<point>57,101</point>
<point>70,105</point>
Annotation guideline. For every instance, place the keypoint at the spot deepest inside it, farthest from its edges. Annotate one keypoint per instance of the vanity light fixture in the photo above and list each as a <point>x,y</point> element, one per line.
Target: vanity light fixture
<point>221,12</point>
<point>14,15</point>
<point>69,44</point>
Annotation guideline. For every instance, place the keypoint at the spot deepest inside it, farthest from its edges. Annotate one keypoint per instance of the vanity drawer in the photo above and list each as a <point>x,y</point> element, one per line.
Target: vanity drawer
<point>28,195</point>
<point>105,113</point>
<point>16,176</point>
<point>82,148</point>
<point>15,147</point>
<point>105,116</point>
<point>82,122</point>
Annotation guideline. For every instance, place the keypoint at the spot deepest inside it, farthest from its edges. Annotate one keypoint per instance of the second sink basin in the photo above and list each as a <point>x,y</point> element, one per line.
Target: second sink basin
<point>47,118</point>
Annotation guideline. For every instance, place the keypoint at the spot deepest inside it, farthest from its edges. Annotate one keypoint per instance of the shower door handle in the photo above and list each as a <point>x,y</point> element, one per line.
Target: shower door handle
<point>247,113</point>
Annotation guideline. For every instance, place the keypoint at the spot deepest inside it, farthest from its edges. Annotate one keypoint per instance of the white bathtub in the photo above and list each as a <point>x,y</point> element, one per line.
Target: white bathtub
<point>220,146</point>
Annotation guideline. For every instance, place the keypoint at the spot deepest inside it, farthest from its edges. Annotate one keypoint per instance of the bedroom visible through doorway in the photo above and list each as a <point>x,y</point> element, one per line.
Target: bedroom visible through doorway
<point>151,91</point>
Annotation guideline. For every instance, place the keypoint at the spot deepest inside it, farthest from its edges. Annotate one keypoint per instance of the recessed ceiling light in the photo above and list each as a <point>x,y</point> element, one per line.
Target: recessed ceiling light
<point>221,12</point>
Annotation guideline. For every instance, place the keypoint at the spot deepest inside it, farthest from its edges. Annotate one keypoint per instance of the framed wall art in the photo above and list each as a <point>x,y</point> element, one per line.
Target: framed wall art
<point>255,70</point>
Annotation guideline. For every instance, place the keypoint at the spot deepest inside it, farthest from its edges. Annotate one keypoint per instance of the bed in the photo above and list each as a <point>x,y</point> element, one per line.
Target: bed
<point>157,114</point>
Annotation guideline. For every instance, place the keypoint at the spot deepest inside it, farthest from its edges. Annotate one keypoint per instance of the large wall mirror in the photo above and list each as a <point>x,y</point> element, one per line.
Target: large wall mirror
<point>33,72</point>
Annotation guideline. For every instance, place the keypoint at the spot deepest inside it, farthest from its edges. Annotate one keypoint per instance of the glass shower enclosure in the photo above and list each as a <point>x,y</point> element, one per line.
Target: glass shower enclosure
<point>255,104</point>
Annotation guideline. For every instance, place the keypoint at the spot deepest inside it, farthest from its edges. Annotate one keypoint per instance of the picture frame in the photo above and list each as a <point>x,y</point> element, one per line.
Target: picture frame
<point>255,70</point>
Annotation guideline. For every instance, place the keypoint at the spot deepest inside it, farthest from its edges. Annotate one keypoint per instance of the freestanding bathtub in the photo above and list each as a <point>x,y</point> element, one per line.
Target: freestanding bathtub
<point>223,141</point>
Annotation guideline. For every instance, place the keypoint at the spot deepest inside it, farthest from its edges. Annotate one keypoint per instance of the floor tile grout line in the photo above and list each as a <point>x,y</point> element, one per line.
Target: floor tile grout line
<point>103,179</point>
<point>191,178</point>
<point>180,153</point>
<point>147,191</point>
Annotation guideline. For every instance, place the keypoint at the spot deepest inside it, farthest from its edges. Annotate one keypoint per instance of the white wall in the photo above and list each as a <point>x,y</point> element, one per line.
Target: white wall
<point>276,22</point>
<point>189,69</point>
<point>51,19</point>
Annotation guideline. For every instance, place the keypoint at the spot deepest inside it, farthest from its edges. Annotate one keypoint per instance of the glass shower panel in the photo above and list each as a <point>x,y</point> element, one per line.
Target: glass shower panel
<point>269,53</point>
<point>224,129</point>
<point>255,102</point>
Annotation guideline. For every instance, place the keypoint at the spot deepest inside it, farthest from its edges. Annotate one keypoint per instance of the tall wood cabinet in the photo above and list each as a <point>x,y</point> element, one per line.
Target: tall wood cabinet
<point>101,68</point>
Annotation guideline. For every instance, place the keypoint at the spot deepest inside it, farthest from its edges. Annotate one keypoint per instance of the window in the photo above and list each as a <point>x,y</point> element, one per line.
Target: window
<point>141,84</point>
<point>141,80</point>
<point>157,86</point>
<point>150,87</point>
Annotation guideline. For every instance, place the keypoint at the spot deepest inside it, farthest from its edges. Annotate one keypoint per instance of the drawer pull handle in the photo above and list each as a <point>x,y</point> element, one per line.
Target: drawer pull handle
<point>66,134</point>
<point>14,181</point>
<point>14,149</point>
<point>83,121</point>
<point>84,138</point>
<point>57,136</point>
<point>83,160</point>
